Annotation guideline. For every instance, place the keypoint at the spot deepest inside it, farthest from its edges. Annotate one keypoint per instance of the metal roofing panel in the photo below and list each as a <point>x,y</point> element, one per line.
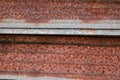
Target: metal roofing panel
<point>71,17</point>
<point>25,57</point>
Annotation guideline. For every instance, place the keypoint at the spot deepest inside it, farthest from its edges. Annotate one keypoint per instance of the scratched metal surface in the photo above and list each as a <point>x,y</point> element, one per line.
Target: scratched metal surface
<point>11,23</point>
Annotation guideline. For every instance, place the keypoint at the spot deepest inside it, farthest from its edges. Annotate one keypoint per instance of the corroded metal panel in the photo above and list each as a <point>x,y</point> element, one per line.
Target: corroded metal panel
<point>25,57</point>
<point>71,17</point>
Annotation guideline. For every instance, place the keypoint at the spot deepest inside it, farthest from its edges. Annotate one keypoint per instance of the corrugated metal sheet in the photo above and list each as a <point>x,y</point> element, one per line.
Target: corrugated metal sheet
<point>96,17</point>
<point>59,57</point>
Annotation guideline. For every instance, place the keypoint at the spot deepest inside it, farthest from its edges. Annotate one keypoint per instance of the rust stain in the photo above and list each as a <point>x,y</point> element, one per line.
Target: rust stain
<point>38,11</point>
<point>90,21</point>
<point>91,31</point>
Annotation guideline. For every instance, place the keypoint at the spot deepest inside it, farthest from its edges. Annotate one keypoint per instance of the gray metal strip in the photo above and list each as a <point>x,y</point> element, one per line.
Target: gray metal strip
<point>61,27</point>
<point>106,24</point>
<point>61,31</point>
<point>23,77</point>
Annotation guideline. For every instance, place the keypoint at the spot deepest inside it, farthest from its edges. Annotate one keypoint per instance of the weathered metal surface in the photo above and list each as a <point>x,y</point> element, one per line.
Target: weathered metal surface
<point>61,24</point>
<point>43,11</point>
<point>82,58</point>
<point>8,77</point>
<point>61,31</point>
<point>60,17</point>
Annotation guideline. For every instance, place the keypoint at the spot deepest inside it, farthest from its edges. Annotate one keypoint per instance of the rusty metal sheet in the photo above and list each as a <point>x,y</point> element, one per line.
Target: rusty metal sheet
<point>71,17</point>
<point>30,60</point>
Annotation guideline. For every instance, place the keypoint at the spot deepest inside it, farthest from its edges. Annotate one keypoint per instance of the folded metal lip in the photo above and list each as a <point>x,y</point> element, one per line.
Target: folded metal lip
<point>61,27</point>
<point>60,24</point>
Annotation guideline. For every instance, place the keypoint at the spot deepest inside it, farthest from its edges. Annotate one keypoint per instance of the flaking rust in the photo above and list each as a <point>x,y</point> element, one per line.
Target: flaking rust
<point>40,11</point>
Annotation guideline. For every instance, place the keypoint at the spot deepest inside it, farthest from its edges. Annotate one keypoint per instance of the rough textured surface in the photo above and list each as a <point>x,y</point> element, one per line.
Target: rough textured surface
<point>60,56</point>
<point>45,10</point>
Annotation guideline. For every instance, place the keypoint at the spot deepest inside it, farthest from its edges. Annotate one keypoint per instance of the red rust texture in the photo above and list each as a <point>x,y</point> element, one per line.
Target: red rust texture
<point>91,60</point>
<point>37,11</point>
